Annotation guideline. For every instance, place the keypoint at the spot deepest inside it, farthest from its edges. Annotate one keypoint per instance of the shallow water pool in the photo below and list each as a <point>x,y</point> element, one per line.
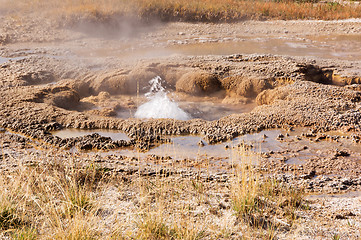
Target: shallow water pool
<point>73,133</point>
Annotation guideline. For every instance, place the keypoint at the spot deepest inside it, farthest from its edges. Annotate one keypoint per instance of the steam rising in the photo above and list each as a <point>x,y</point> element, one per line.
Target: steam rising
<point>159,105</point>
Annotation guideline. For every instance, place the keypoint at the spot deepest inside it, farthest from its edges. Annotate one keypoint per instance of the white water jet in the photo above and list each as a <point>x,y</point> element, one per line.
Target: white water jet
<point>159,105</point>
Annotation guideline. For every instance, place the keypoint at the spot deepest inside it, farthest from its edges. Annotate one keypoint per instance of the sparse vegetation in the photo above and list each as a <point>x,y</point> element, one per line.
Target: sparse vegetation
<point>9,218</point>
<point>196,10</point>
<point>62,199</point>
<point>258,203</point>
<point>25,234</point>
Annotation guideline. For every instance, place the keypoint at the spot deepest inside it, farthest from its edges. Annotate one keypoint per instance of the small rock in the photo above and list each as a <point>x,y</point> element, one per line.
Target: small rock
<point>346,181</point>
<point>321,136</point>
<point>280,137</point>
<point>341,153</point>
<point>310,135</point>
<point>309,175</point>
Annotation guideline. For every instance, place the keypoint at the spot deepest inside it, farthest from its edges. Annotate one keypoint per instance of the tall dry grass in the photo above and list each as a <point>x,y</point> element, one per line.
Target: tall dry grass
<point>193,10</point>
<point>65,198</point>
<point>51,200</point>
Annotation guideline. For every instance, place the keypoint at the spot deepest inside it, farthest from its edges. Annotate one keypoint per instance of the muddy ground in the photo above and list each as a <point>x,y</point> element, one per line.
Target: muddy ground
<point>302,78</point>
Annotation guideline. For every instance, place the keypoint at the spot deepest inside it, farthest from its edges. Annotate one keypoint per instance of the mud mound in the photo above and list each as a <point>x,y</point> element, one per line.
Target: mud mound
<point>270,96</point>
<point>123,82</point>
<point>198,82</point>
<point>114,84</point>
<point>171,73</point>
<point>60,96</point>
<point>246,87</point>
<point>101,97</point>
<point>39,77</point>
<point>65,99</point>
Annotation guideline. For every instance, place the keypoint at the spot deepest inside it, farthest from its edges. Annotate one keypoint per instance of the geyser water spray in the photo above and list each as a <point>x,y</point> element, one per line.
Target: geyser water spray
<point>159,105</point>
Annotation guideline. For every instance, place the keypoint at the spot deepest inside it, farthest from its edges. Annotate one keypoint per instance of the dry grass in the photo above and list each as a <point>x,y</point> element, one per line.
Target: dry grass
<point>193,10</point>
<point>260,203</point>
<point>59,198</point>
<point>49,200</point>
<point>233,10</point>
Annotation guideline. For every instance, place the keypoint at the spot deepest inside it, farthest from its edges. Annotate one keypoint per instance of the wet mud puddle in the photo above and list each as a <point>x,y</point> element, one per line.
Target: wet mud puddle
<point>73,133</point>
<point>291,147</point>
<point>353,194</point>
<point>331,47</point>
<point>14,58</point>
<point>3,60</point>
<point>346,47</point>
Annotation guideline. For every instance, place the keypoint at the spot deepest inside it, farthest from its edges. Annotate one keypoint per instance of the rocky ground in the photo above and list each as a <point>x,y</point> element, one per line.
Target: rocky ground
<point>54,77</point>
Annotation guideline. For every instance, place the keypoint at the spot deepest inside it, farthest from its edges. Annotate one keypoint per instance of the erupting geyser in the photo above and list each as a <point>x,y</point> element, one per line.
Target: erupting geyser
<point>159,105</point>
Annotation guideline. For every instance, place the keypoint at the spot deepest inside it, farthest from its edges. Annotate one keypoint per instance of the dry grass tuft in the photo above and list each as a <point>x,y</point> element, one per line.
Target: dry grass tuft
<point>153,227</point>
<point>260,202</point>
<point>53,198</point>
